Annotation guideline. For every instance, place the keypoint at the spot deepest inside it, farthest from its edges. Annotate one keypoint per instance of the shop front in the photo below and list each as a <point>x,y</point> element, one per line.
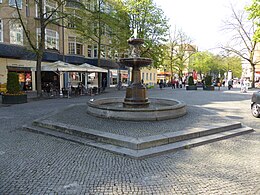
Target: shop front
<point>24,75</point>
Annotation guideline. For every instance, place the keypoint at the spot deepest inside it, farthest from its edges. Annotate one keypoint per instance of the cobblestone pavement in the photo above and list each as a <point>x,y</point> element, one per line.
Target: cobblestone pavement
<point>37,164</point>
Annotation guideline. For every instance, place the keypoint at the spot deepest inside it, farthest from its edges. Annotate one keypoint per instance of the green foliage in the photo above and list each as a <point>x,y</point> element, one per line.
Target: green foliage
<point>190,80</point>
<point>208,80</point>
<point>200,62</point>
<point>254,10</point>
<point>105,24</point>
<point>208,63</point>
<point>152,26</point>
<point>234,64</point>
<point>150,87</point>
<point>13,86</point>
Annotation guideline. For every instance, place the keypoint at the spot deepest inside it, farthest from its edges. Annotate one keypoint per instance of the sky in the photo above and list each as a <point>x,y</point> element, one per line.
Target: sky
<point>201,20</point>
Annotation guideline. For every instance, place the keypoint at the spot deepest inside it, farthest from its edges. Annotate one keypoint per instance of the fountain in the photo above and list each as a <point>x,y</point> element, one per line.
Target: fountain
<point>136,106</point>
<point>136,96</point>
<point>141,132</point>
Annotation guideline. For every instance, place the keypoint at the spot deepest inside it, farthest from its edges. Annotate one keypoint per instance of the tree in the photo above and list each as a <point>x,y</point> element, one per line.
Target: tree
<point>151,24</point>
<point>200,62</point>
<point>105,24</point>
<point>242,44</point>
<point>206,63</point>
<point>254,11</point>
<point>232,63</point>
<point>36,42</point>
<point>179,52</point>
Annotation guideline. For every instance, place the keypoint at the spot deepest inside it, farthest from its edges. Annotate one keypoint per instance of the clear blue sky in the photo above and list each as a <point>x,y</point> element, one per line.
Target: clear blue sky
<point>201,19</point>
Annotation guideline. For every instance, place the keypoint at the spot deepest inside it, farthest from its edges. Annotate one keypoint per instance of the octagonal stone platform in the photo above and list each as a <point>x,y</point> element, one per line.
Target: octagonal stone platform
<point>138,139</point>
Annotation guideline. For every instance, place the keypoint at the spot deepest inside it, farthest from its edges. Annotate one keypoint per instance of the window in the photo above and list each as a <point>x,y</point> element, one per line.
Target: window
<point>1,1</point>
<point>109,53</point>
<point>95,51</point>
<point>13,3</point>
<point>74,20</point>
<point>103,51</point>
<point>16,33</point>
<point>51,38</point>
<point>79,48</point>
<point>50,9</point>
<point>71,21</point>
<point>27,10</point>
<point>147,76</point>
<point>75,47</point>
<point>89,5</point>
<point>89,51</point>
<point>1,30</point>
<point>154,76</point>
<point>143,75</point>
<point>151,76</point>
<point>71,41</point>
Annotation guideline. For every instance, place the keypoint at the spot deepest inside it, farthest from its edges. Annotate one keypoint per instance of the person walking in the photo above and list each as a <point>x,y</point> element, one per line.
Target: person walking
<point>173,83</point>
<point>180,83</point>
<point>161,84</point>
<point>104,84</point>
<point>230,84</point>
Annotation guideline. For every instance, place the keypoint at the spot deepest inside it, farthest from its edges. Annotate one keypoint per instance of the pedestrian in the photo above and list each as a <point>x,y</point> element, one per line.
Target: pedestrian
<point>230,84</point>
<point>104,84</point>
<point>161,84</point>
<point>243,86</point>
<point>223,83</point>
<point>48,89</point>
<point>173,83</point>
<point>219,85</point>
<point>180,83</point>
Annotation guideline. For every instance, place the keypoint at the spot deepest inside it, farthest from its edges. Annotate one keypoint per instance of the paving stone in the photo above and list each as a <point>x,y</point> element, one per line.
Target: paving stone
<point>37,164</point>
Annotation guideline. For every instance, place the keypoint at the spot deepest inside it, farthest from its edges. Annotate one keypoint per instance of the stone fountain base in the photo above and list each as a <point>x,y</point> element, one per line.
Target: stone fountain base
<point>159,109</point>
<point>138,139</point>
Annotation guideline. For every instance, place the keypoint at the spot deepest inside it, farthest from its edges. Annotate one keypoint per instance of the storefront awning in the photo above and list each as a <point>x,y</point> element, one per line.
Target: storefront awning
<point>90,68</point>
<point>61,67</point>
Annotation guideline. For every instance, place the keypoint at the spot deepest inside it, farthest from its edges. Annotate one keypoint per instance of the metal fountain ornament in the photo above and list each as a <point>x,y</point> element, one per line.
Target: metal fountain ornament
<point>136,95</point>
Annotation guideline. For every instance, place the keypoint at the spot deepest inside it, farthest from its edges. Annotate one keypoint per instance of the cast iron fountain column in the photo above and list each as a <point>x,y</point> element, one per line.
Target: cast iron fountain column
<point>136,96</point>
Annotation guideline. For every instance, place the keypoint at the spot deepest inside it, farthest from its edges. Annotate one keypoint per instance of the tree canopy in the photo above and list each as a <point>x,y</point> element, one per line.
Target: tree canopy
<point>206,63</point>
<point>254,11</point>
<point>151,24</point>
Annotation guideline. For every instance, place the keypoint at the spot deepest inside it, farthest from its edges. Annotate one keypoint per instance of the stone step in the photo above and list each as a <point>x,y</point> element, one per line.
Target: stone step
<point>138,143</point>
<point>186,144</point>
<point>148,152</point>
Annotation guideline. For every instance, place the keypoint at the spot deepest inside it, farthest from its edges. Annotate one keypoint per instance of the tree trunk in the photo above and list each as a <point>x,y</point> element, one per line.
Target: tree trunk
<point>39,76</point>
<point>99,42</point>
<point>253,75</point>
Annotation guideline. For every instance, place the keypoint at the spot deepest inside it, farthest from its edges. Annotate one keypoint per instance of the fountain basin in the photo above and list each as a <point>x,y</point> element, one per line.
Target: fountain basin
<point>135,41</point>
<point>137,61</point>
<point>159,109</point>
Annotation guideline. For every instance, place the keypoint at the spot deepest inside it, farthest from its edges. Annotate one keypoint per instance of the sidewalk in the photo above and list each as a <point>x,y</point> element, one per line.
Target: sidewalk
<point>32,96</point>
<point>33,163</point>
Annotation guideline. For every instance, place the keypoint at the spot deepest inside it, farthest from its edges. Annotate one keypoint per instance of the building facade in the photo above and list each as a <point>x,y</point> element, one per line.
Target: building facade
<point>61,43</point>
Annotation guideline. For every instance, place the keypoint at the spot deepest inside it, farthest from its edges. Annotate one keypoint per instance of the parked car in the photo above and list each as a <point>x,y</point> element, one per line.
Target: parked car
<point>255,104</point>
